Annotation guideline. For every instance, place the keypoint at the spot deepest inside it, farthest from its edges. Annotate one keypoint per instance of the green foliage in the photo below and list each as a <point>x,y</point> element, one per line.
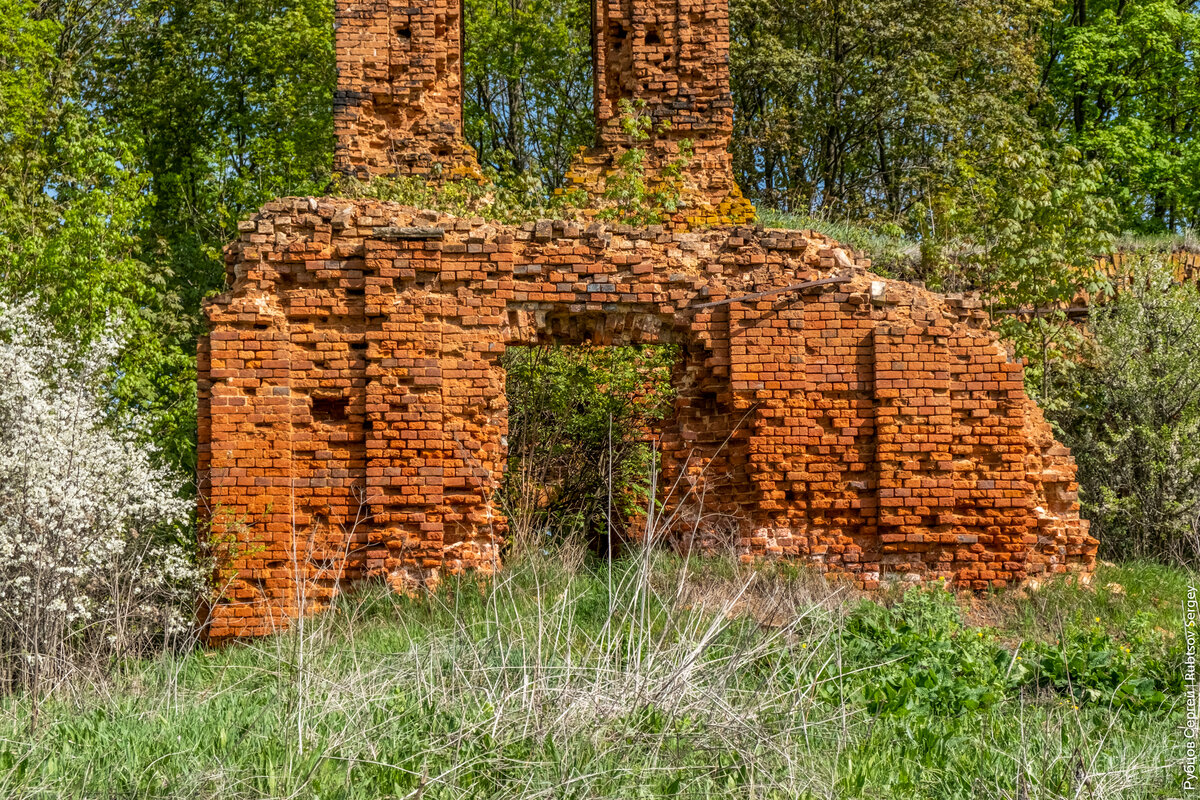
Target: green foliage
<point>585,682</point>
<point>930,662</point>
<point>133,138</point>
<point>1125,81</point>
<point>528,88</point>
<point>73,205</point>
<point>867,111</point>
<point>628,196</point>
<point>69,207</point>
<point>859,110</point>
<point>1037,221</point>
<point>578,426</point>
<point>1131,414</point>
<point>225,105</point>
<point>1087,666</point>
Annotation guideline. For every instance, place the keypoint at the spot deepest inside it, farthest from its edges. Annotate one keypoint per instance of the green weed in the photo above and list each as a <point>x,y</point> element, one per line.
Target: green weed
<point>657,677</point>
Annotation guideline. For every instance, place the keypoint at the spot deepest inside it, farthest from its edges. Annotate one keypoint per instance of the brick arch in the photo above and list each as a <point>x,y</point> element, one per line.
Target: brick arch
<point>351,400</point>
<point>352,409</point>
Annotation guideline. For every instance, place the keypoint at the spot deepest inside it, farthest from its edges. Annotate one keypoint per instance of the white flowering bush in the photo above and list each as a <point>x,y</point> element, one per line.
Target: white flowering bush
<point>91,561</point>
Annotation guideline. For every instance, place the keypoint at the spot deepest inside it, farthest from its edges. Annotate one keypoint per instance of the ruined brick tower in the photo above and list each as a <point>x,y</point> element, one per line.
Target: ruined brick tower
<point>352,414</point>
<point>398,106</point>
<point>398,103</point>
<point>673,56</point>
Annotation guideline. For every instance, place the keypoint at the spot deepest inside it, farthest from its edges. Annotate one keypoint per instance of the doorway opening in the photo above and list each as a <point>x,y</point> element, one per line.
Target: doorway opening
<point>583,423</point>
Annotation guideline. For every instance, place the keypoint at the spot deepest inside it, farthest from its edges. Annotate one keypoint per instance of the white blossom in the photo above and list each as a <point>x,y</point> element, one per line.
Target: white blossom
<point>84,561</point>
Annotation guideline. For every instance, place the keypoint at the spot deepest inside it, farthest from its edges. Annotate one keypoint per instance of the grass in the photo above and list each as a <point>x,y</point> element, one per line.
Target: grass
<point>1188,241</point>
<point>890,253</point>
<point>660,677</point>
<point>897,255</point>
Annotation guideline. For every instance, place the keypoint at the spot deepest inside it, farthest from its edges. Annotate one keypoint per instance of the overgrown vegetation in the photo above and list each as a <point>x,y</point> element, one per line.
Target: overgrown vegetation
<point>91,567</point>
<point>1129,407</point>
<point>629,195</point>
<point>660,677</point>
<point>580,448</point>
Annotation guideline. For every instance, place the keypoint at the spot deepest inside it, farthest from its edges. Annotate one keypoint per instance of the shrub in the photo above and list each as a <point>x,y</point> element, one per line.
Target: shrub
<point>88,570</point>
<point>632,197</point>
<point>578,422</point>
<point>1130,411</point>
<point>1088,666</point>
<point>929,661</point>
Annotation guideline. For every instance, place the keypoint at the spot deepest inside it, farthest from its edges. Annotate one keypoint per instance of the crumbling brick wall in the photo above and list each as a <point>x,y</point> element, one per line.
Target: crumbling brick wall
<point>353,409</point>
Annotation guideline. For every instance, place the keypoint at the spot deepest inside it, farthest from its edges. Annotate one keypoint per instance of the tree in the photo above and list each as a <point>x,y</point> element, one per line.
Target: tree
<point>528,87</point>
<point>1025,223</point>
<point>860,110</point>
<point>1125,79</point>
<point>69,203</point>
<point>91,565</point>
<point>225,106</point>
<point>1130,412</point>
<point>578,423</point>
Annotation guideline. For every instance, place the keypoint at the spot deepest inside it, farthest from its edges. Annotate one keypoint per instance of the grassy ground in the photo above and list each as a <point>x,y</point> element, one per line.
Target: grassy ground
<point>661,677</point>
<point>889,253</point>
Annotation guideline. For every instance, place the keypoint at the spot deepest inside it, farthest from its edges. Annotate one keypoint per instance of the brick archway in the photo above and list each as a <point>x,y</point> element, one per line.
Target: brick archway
<point>351,401</point>
<point>353,409</point>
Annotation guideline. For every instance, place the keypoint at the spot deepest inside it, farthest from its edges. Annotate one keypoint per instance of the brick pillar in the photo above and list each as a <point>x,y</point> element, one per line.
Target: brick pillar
<point>245,460</point>
<point>406,443</point>
<point>673,55</point>
<point>435,408</point>
<point>398,104</point>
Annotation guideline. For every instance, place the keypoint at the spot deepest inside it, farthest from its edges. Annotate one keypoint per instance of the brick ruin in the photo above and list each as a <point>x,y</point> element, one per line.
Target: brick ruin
<point>398,101</point>
<point>352,407</point>
<point>673,57</point>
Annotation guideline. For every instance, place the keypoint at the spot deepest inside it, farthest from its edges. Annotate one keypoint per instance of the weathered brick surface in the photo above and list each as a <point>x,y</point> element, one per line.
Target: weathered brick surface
<point>672,55</point>
<point>398,106</point>
<point>398,102</point>
<point>353,410</point>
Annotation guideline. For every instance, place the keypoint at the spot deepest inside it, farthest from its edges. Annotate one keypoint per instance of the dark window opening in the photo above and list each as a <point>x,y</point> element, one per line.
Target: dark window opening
<point>329,409</point>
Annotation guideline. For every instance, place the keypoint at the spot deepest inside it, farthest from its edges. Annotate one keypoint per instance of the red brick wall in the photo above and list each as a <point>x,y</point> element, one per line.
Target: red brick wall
<point>353,410</point>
